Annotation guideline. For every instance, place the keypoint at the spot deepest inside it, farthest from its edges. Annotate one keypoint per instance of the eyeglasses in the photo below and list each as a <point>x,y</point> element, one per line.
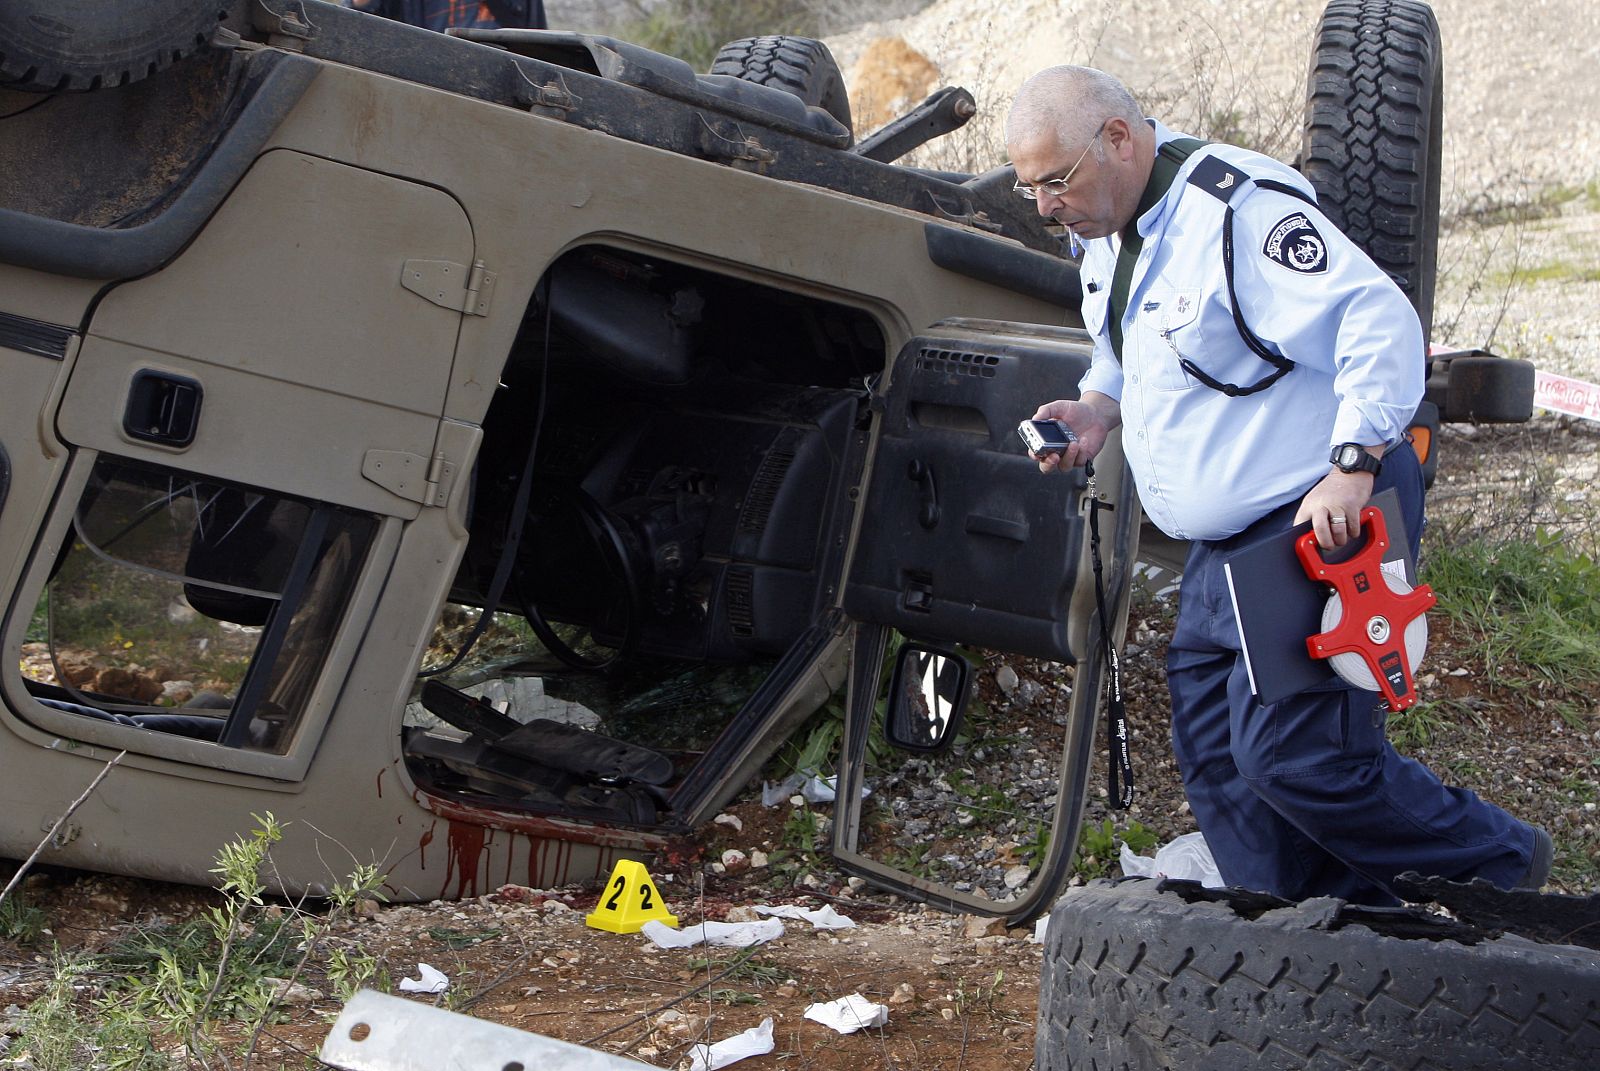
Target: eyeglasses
<point>1057,187</point>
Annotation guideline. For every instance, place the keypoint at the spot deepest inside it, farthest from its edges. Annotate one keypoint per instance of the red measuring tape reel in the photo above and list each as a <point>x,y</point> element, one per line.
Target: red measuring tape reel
<point>1374,632</point>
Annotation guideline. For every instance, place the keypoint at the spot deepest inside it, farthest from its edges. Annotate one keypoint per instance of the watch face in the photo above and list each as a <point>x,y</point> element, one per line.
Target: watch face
<point>1348,455</point>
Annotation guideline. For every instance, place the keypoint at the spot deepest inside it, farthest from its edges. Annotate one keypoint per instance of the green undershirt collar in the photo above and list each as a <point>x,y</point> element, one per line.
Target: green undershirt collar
<point>1169,158</point>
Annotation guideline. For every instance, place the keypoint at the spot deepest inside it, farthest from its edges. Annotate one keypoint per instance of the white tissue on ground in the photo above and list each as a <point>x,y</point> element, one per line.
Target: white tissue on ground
<point>823,918</point>
<point>723,934</point>
<point>1187,857</point>
<point>848,1014</point>
<point>429,980</point>
<point>757,1041</point>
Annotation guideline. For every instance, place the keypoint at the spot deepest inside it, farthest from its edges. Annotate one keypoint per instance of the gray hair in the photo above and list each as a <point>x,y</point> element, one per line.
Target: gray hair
<point>1071,102</point>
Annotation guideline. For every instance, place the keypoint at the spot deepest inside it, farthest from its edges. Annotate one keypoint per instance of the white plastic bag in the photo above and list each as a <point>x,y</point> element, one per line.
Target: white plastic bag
<point>757,1041</point>
<point>1186,857</point>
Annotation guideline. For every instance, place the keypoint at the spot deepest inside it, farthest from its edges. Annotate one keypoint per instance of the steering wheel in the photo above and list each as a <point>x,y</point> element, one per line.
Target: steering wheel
<point>605,535</point>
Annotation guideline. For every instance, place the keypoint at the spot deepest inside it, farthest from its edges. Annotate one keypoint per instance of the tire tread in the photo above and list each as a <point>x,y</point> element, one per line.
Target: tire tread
<point>90,45</point>
<point>798,65</point>
<point>1135,977</point>
<point>1371,135</point>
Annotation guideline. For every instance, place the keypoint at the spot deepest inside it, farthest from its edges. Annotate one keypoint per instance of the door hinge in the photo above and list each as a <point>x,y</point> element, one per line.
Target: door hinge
<point>452,285</point>
<point>411,476</point>
<point>963,212</point>
<point>735,147</point>
<point>552,99</point>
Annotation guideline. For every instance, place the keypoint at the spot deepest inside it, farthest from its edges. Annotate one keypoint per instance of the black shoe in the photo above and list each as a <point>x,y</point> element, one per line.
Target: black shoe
<point>1544,851</point>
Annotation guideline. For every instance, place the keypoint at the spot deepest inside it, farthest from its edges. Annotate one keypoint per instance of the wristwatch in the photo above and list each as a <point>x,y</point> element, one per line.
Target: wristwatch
<point>1351,457</point>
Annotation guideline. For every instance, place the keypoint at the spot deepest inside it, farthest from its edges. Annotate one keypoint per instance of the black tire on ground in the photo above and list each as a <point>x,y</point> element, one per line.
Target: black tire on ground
<point>798,65</point>
<point>50,45</point>
<point>1137,976</point>
<point>1488,390</point>
<point>1371,145</point>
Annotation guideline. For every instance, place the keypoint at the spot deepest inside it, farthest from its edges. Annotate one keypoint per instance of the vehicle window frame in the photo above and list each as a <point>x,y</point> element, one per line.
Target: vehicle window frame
<point>24,713</point>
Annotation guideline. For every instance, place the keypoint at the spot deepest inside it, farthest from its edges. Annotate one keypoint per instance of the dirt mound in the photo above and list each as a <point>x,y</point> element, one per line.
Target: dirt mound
<point>1522,102</point>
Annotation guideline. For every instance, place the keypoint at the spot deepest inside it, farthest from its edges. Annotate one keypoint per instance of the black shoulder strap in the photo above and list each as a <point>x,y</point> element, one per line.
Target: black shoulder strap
<point>1225,182</point>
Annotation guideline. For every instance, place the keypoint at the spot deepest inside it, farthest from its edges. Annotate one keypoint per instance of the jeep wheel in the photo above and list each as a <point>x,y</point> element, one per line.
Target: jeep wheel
<point>50,45</point>
<point>1374,108</point>
<point>1146,974</point>
<point>798,65</point>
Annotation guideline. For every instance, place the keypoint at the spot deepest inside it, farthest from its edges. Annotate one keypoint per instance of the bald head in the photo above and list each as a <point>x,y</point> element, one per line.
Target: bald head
<point>1070,103</point>
<point>1080,128</point>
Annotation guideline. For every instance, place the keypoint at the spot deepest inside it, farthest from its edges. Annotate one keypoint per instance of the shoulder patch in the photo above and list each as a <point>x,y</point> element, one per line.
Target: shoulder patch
<point>1218,178</point>
<point>1294,242</point>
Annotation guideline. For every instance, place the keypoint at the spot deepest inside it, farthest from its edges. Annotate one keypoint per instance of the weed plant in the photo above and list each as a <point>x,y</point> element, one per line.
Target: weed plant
<point>1097,845</point>
<point>160,998</point>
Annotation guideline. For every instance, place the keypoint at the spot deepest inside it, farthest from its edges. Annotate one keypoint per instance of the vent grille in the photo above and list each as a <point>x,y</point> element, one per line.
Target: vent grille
<point>958,363</point>
<point>764,490</point>
<point>740,586</point>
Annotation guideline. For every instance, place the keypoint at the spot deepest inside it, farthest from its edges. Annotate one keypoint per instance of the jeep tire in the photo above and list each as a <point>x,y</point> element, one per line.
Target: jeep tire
<point>1371,142</point>
<point>1145,974</point>
<point>50,45</point>
<point>798,65</point>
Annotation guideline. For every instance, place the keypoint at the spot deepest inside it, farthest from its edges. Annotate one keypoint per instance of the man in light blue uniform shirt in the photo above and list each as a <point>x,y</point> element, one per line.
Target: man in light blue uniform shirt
<point>1235,427</point>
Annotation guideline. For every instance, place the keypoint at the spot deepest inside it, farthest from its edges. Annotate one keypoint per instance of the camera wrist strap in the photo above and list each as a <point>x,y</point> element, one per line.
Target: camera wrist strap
<point>1119,763</point>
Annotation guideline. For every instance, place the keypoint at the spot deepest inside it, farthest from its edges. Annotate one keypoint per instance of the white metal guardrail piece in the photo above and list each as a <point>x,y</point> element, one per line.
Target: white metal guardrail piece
<point>383,1033</point>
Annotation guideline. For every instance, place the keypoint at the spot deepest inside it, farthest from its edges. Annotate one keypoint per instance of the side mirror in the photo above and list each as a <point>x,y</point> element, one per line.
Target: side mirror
<point>927,695</point>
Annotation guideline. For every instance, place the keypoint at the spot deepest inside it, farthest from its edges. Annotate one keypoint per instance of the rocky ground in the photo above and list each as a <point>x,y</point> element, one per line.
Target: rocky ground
<point>1519,273</point>
<point>961,991</point>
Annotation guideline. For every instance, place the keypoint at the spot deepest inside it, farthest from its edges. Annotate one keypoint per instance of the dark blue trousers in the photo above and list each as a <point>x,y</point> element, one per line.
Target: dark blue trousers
<point>1307,797</point>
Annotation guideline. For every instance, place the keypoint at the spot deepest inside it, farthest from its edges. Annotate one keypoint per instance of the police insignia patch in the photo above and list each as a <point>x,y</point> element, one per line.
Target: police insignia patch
<point>1295,243</point>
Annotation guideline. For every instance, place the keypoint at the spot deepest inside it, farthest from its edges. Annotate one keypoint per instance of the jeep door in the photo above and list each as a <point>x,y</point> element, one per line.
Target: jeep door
<point>962,541</point>
<point>241,437</point>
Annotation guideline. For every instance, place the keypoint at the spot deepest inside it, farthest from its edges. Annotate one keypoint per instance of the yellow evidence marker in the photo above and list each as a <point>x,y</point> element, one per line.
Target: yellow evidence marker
<point>629,900</point>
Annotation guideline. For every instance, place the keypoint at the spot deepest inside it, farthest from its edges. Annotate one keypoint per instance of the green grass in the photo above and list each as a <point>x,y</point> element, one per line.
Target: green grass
<point>1581,789</point>
<point>1415,727</point>
<point>1419,726</point>
<point>1563,271</point>
<point>1530,610</point>
<point>20,920</point>
<point>1493,208</point>
<point>1458,767</point>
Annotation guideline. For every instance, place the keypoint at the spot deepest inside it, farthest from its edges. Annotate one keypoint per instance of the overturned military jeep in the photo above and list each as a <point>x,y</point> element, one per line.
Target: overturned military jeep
<point>332,346</point>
